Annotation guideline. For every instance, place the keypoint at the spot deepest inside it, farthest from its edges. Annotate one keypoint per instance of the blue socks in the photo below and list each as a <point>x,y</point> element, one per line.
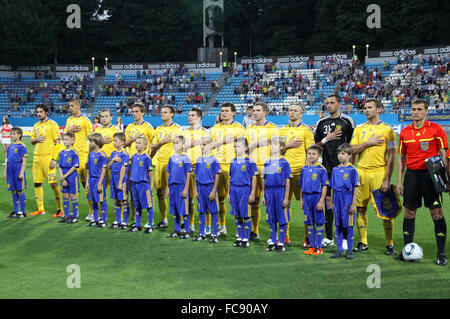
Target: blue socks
<point>350,238</point>
<point>126,213</point>
<point>22,202</point>
<point>66,206</point>
<point>138,217</point>
<point>95,211</point>
<point>118,211</point>
<point>75,208</point>
<point>312,236</point>
<point>202,223</point>
<point>150,217</point>
<point>176,223</point>
<point>16,202</point>
<point>104,206</point>
<point>239,228</point>
<point>319,236</point>
<point>273,233</point>
<point>339,238</point>
<point>214,223</point>
<point>247,228</point>
<point>283,229</point>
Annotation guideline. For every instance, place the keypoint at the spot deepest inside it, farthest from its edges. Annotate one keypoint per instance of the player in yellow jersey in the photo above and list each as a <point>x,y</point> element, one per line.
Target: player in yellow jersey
<point>47,138</point>
<point>374,142</point>
<point>107,130</point>
<point>223,135</point>
<point>162,149</point>
<point>140,128</point>
<point>258,136</point>
<point>81,126</point>
<point>193,137</point>
<point>298,137</point>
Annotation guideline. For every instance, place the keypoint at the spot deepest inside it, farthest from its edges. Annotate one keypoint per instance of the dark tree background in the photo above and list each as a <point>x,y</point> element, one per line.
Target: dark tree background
<point>35,32</point>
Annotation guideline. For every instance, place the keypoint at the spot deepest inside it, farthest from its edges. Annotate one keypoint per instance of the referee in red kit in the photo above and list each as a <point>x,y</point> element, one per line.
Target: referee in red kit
<point>419,141</point>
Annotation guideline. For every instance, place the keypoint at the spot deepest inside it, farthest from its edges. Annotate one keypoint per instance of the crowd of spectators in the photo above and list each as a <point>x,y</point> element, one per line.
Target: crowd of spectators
<point>155,90</point>
<point>425,78</point>
<point>42,91</point>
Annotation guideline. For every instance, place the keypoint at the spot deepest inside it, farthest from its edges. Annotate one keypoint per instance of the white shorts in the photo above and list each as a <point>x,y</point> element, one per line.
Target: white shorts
<point>6,140</point>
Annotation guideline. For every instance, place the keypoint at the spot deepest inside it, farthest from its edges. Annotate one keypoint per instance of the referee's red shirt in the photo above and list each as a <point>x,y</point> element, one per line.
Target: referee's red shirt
<point>418,144</point>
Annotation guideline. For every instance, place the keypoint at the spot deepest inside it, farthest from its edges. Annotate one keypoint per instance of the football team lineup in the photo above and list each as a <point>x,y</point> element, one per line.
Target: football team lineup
<point>334,173</point>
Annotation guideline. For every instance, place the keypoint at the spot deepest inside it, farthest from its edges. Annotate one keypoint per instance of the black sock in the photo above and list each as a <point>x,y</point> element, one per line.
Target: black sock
<point>440,230</point>
<point>408,230</point>
<point>329,216</point>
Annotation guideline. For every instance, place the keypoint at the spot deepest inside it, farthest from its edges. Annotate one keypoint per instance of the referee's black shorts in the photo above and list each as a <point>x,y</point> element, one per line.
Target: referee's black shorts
<point>417,184</point>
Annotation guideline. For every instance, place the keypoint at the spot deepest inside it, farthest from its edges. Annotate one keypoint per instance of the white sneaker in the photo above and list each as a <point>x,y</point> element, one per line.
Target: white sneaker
<point>208,230</point>
<point>89,217</point>
<point>192,228</point>
<point>344,244</point>
<point>326,242</point>
<point>222,231</point>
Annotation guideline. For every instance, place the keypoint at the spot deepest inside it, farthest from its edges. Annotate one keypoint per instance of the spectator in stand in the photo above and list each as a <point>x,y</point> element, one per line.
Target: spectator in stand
<point>96,122</point>
<point>119,123</point>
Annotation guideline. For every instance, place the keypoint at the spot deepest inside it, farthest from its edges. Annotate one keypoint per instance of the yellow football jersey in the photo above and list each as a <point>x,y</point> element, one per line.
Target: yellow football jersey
<point>225,152</point>
<point>107,132</point>
<point>296,157</point>
<point>192,135</point>
<point>49,129</point>
<point>166,150</point>
<point>134,129</point>
<point>256,132</point>
<point>374,156</point>
<point>81,144</point>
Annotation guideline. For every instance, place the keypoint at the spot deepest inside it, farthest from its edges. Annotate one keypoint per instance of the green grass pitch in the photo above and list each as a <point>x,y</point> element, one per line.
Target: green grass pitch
<point>36,251</point>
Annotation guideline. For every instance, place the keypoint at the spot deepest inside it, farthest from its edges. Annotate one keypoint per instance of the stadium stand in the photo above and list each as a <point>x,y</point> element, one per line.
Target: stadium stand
<point>182,89</point>
<point>395,83</point>
<point>19,95</point>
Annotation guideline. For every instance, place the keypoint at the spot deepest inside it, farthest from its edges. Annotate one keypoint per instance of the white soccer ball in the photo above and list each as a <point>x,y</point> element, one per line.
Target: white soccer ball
<point>412,252</point>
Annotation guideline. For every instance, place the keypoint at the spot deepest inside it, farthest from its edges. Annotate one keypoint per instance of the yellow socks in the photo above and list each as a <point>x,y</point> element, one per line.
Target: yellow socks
<point>361,222</point>
<point>39,196</point>
<point>58,197</point>
<point>256,213</point>
<point>388,226</point>
<point>163,207</point>
<point>222,213</point>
